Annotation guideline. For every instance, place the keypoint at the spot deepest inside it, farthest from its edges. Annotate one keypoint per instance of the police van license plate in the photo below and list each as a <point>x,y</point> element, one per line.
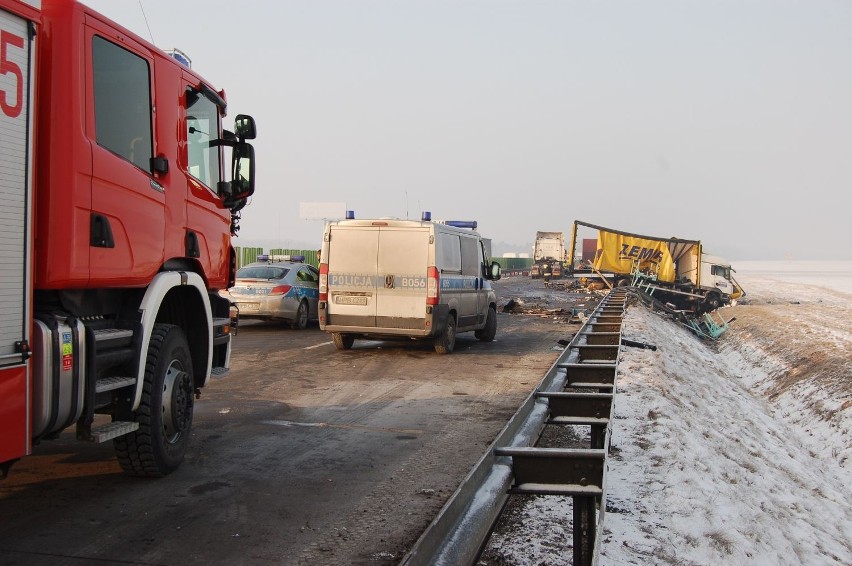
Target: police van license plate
<point>350,300</point>
<point>245,307</point>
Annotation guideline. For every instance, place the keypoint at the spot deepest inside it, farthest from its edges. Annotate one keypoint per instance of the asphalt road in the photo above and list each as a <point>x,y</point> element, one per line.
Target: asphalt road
<point>301,455</point>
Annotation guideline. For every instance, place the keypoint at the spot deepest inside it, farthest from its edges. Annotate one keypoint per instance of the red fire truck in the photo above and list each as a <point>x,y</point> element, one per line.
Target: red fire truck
<point>115,235</point>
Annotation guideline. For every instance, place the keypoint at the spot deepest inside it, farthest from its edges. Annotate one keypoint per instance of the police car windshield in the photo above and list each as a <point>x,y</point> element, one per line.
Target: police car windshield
<point>262,272</point>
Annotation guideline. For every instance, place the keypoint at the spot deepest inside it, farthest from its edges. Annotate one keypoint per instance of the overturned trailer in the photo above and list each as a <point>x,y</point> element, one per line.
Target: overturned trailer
<point>674,270</point>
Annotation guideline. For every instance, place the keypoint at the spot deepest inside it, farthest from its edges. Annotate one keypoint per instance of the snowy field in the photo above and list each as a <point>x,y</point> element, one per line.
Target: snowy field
<point>735,452</point>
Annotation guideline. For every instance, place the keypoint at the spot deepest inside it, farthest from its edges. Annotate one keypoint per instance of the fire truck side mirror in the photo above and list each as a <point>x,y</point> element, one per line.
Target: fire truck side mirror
<point>244,127</point>
<point>242,167</point>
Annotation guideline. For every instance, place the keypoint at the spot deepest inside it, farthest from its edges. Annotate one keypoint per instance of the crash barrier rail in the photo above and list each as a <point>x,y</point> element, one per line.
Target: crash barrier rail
<point>577,390</point>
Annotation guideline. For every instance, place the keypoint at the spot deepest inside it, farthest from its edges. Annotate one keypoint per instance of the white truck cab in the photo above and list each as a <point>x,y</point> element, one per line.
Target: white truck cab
<point>387,278</point>
<point>717,281</point>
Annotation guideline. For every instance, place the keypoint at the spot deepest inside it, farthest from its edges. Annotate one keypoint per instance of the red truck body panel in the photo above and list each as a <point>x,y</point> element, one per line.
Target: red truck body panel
<point>78,177</point>
<point>65,178</point>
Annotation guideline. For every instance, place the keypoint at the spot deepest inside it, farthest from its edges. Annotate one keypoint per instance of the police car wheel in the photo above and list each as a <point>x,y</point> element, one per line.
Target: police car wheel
<point>446,340</point>
<point>301,321</point>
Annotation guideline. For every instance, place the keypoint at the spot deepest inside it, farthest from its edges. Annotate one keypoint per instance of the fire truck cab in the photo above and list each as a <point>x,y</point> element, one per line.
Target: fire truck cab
<point>121,191</point>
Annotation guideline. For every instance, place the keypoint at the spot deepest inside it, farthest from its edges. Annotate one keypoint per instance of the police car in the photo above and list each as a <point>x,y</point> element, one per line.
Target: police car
<point>276,288</point>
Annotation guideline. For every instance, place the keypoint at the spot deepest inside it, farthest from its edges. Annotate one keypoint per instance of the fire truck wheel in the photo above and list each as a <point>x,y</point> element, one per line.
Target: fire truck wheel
<point>446,340</point>
<point>301,321</point>
<point>342,341</point>
<point>157,447</point>
<point>488,333</point>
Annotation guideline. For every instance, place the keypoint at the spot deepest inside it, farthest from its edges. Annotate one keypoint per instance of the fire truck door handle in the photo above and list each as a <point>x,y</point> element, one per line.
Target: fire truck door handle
<point>100,232</point>
<point>160,165</point>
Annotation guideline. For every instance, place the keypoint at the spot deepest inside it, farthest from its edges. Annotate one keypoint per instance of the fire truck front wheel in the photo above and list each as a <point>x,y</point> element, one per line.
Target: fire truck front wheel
<point>165,413</point>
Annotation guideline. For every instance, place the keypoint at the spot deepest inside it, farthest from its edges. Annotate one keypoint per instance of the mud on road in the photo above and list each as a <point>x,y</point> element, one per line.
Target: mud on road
<point>301,455</point>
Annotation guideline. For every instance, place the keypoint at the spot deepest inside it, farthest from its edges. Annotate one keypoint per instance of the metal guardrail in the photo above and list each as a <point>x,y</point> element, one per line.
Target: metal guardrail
<point>577,390</point>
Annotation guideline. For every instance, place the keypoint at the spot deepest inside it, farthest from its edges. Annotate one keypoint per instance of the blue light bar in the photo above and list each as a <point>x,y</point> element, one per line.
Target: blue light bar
<point>427,216</point>
<point>180,57</point>
<point>278,257</point>
<point>462,223</point>
<point>350,215</point>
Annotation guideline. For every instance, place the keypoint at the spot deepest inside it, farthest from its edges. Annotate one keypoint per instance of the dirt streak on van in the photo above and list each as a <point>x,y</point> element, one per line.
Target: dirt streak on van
<point>406,279</point>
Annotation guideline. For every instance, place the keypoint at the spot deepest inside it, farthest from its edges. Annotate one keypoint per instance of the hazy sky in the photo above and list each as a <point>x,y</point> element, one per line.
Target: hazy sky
<point>724,121</point>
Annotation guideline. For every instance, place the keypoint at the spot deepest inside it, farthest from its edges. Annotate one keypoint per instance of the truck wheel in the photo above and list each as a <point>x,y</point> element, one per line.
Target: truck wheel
<point>157,447</point>
<point>446,340</point>
<point>713,301</point>
<point>342,341</point>
<point>301,321</point>
<point>487,333</point>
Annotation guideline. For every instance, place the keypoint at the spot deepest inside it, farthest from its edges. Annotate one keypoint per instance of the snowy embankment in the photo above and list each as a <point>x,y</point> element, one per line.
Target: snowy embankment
<point>707,470</point>
<point>735,452</point>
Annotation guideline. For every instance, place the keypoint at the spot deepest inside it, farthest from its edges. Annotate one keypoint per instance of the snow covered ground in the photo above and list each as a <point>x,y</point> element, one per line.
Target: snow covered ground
<point>736,452</point>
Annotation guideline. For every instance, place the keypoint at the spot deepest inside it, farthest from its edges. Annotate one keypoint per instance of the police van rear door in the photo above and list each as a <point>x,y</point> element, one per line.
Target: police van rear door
<point>401,286</point>
<point>352,273</point>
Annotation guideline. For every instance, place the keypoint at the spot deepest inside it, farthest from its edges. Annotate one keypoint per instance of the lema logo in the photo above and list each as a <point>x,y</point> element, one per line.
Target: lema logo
<point>640,253</point>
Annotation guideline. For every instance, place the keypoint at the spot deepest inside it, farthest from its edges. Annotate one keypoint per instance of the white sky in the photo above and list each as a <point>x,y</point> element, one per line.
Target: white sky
<point>724,121</point>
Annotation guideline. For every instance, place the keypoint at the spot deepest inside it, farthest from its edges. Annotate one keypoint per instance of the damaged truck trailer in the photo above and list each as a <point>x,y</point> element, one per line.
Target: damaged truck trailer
<point>673,270</point>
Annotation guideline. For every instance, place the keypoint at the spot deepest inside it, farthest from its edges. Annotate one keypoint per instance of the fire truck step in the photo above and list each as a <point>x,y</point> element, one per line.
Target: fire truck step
<point>112,430</point>
<point>110,383</point>
<point>219,372</point>
<point>111,337</point>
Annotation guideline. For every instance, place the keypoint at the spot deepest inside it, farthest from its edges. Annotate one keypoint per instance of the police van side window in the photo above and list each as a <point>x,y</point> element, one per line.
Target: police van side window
<point>449,253</point>
<point>470,257</point>
<point>122,85</point>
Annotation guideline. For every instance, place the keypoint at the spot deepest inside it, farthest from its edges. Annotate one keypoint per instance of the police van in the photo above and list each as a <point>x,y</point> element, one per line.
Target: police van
<point>415,279</point>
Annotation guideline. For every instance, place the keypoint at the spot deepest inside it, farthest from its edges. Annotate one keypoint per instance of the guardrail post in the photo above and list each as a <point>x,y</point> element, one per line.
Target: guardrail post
<point>584,529</point>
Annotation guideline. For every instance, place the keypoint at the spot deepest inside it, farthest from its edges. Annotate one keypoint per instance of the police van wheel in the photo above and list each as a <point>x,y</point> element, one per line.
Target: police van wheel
<point>446,341</point>
<point>301,321</point>
<point>342,341</point>
<point>487,333</point>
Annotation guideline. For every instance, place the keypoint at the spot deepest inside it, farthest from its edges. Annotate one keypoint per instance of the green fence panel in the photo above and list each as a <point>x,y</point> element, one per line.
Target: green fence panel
<point>247,255</point>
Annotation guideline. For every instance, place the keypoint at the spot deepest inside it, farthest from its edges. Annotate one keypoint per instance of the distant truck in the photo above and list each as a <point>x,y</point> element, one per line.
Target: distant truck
<point>412,279</point>
<point>674,270</point>
<point>549,249</point>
